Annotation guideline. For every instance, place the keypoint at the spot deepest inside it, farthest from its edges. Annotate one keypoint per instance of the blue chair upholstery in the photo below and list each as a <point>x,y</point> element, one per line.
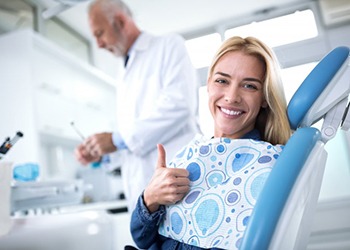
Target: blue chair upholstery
<point>283,212</point>
<point>314,84</point>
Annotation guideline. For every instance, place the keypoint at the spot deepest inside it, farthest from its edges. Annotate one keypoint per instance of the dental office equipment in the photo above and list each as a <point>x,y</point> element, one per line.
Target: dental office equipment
<point>8,144</point>
<point>28,193</point>
<point>5,184</point>
<point>77,131</point>
<point>26,172</point>
<point>5,197</point>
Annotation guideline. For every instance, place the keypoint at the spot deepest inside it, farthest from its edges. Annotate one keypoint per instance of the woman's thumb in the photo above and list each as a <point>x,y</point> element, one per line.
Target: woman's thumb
<point>161,156</point>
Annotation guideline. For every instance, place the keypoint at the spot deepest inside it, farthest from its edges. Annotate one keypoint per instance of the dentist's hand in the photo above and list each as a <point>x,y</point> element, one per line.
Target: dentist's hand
<point>94,147</point>
<point>167,186</point>
<point>100,144</point>
<point>84,156</point>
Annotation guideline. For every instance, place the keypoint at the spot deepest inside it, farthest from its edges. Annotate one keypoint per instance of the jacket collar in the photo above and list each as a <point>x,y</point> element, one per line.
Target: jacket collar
<point>142,43</point>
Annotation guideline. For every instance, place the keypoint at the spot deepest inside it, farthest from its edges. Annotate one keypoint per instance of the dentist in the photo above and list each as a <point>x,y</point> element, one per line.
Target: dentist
<point>157,96</point>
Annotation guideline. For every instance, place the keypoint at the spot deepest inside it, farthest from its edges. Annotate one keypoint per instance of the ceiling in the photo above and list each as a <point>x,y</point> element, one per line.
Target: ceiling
<point>181,16</point>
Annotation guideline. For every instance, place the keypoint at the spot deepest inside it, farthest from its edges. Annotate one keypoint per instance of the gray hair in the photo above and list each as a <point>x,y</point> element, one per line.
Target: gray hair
<point>109,7</point>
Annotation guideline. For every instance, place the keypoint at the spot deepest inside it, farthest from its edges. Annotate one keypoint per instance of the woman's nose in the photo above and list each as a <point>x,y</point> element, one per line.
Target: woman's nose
<point>233,95</point>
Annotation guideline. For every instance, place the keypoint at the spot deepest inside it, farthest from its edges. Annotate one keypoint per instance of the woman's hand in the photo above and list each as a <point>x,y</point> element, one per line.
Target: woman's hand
<point>167,186</point>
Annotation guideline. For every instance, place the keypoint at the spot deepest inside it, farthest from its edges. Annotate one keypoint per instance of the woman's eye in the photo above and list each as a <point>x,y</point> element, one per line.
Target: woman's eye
<point>250,86</point>
<point>221,81</point>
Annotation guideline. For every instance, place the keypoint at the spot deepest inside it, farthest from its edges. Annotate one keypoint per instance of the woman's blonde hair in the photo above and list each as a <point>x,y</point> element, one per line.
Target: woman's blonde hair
<point>272,122</point>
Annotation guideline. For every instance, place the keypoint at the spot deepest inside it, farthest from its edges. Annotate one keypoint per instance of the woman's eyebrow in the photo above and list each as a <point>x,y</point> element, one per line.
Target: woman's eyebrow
<point>222,74</point>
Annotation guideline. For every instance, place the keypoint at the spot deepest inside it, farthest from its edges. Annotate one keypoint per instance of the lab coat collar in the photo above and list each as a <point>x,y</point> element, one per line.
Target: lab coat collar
<point>142,43</point>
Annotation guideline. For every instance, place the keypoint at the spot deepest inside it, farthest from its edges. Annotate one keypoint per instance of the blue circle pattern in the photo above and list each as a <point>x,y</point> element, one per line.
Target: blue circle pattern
<point>194,171</point>
<point>226,178</point>
<point>215,178</point>
<point>176,221</point>
<point>192,196</point>
<point>206,227</point>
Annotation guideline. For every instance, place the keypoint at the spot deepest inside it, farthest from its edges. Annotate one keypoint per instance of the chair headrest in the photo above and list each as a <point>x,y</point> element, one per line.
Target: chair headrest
<point>310,93</point>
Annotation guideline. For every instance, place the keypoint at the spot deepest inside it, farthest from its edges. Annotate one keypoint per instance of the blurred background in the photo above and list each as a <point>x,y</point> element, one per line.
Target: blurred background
<point>53,74</point>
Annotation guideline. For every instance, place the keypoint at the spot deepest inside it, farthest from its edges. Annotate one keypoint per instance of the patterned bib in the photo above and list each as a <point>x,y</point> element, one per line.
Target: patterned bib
<point>226,177</point>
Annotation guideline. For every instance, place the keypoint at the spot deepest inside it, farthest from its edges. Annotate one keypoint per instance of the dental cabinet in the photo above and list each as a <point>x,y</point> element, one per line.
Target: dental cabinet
<point>43,90</point>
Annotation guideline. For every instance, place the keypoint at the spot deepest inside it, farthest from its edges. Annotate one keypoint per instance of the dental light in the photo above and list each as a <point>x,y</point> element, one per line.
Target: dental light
<point>62,6</point>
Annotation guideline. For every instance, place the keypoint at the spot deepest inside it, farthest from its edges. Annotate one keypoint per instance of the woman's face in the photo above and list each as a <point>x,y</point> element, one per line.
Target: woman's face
<point>235,93</point>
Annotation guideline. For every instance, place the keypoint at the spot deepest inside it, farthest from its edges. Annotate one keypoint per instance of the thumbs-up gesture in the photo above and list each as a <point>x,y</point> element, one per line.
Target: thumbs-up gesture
<point>167,186</point>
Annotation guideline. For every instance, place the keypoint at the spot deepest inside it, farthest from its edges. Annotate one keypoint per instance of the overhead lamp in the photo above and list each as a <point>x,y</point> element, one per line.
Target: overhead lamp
<point>62,6</point>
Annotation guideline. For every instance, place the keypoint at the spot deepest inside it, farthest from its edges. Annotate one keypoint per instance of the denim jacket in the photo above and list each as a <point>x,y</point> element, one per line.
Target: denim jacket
<point>144,226</point>
<point>144,230</point>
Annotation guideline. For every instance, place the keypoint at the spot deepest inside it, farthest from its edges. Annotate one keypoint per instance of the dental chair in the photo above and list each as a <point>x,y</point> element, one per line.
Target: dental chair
<point>282,217</point>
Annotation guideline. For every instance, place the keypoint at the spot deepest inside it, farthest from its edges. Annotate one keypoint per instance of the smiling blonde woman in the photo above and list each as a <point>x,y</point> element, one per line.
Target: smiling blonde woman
<point>204,197</point>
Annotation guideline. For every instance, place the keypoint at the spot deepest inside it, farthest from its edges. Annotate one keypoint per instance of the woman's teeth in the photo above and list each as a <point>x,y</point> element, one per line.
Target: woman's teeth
<point>231,112</point>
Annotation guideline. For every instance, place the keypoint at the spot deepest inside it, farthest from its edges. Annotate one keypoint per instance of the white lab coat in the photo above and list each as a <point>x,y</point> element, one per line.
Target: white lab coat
<point>157,102</point>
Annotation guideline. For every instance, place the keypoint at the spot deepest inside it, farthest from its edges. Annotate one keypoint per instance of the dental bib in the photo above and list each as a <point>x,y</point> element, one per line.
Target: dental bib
<point>226,177</point>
